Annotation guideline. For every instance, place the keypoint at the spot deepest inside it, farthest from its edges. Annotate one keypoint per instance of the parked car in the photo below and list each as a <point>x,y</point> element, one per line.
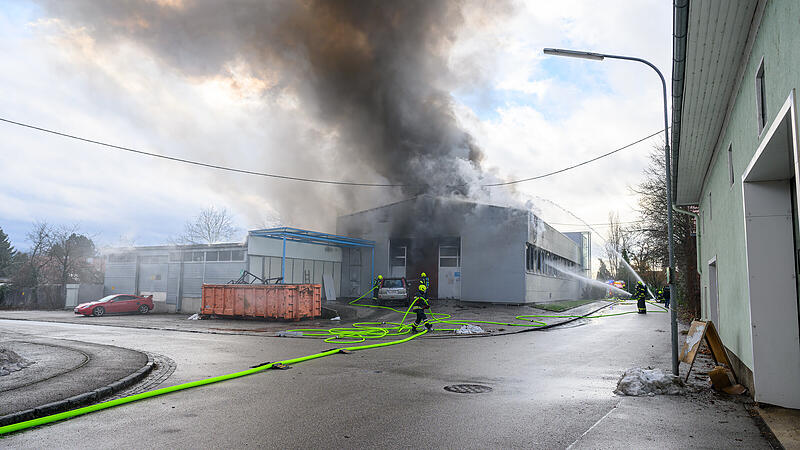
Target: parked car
<point>393,289</point>
<point>118,303</point>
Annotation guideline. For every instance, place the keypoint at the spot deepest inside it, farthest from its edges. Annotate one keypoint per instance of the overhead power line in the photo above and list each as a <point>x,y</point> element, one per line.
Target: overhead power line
<point>575,165</point>
<point>198,163</point>
<point>597,224</point>
<point>303,179</point>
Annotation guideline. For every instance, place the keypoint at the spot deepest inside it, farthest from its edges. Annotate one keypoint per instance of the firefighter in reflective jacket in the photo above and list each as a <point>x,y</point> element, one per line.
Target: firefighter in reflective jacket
<point>376,286</point>
<point>639,294</point>
<point>423,279</point>
<point>421,303</point>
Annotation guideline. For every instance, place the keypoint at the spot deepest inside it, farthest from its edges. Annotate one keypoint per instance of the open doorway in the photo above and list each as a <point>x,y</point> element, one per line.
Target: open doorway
<point>767,186</point>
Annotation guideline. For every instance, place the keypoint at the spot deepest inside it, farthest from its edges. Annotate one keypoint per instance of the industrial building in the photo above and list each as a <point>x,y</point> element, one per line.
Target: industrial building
<point>471,251</point>
<point>175,274</point>
<point>735,156</point>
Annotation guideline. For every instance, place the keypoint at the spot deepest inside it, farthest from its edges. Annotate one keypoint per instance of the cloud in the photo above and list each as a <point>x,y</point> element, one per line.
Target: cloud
<point>529,114</point>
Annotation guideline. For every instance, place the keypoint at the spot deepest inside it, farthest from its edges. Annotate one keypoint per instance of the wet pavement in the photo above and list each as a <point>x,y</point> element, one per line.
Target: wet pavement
<point>61,369</point>
<point>550,389</point>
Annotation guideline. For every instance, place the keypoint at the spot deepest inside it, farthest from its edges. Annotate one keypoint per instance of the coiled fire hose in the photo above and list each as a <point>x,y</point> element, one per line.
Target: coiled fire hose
<point>359,332</point>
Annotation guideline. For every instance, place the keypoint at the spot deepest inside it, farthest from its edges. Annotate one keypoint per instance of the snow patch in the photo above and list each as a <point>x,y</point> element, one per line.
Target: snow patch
<point>10,362</point>
<point>470,329</point>
<point>650,382</point>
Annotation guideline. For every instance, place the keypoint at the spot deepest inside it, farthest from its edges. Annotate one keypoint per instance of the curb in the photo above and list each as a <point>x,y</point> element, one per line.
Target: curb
<point>77,401</point>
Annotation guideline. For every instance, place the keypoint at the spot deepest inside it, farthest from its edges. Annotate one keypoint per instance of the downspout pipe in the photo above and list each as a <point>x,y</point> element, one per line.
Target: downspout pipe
<point>699,235</point>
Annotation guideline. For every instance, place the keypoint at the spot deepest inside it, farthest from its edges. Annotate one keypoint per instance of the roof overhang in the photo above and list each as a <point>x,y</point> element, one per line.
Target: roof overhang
<point>708,65</point>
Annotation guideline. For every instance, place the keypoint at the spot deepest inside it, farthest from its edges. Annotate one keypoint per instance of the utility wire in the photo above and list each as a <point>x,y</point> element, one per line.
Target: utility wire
<point>575,165</point>
<point>308,180</point>
<point>198,163</point>
<point>597,224</point>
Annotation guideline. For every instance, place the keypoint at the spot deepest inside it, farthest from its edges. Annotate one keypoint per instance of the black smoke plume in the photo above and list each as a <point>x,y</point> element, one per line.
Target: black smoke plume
<point>373,72</point>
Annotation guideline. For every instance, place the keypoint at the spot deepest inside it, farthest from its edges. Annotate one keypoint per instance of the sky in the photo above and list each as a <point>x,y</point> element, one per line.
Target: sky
<point>529,113</point>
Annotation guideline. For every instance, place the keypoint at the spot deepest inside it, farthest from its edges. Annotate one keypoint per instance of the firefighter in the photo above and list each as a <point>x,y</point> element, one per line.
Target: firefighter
<point>423,279</point>
<point>665,294</point>
<point>660,295</point>
<point>376,286</point>
<point>421,303</point>
<point>639,294</point>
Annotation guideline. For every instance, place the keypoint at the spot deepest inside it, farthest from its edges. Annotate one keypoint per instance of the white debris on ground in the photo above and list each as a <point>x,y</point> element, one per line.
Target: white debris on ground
<point>470,329</point>
<point>650,382</point>
<point>289,333</point>
<point>10,362</point>
<point>194,317</point>
<point>337,318</point>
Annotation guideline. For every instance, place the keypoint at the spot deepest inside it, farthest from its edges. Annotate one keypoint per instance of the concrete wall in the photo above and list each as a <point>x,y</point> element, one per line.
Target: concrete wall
<point>722,216</point>
<point>493,255</point>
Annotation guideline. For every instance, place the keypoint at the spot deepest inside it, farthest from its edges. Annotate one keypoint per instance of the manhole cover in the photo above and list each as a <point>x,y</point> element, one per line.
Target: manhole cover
<point>468,388</point>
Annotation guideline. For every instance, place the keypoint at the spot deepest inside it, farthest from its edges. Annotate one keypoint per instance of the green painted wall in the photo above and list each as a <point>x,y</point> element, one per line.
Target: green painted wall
<point>778,42</point>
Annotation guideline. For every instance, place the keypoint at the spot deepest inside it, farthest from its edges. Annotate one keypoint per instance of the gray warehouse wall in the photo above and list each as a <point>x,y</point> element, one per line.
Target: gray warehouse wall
<point>544,288</point>
<point>493,246</point>
<point>493,255</point>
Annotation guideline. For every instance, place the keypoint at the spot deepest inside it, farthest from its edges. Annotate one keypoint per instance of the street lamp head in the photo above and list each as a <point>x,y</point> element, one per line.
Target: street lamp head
<point>574,54</point>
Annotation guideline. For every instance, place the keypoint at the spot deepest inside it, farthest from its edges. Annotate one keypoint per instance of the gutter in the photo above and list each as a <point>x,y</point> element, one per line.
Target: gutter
<point>697,228</point>
<point>680,25</point>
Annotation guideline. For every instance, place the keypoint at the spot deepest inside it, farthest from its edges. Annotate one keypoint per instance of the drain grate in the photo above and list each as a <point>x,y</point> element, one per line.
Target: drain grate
<point>468,388</point>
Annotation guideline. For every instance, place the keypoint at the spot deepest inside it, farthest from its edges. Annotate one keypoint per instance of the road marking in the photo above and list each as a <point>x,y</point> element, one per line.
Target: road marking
<point>595,424</point>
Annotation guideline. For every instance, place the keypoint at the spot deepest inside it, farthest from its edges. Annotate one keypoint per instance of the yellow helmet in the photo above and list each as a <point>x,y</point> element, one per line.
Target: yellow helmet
<point>380,277</point>
<point>423,274</point>
<point>422,288</point>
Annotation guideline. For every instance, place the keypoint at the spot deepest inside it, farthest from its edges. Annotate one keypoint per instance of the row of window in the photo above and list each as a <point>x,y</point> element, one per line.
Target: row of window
<point>543,262</point>
<point>187,256</point>
<point>208,255</point>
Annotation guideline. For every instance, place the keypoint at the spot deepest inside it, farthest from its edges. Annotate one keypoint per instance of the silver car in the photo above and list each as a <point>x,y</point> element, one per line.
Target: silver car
<point>393,289</point>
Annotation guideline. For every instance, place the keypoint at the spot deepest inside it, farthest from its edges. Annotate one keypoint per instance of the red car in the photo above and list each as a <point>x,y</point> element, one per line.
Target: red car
<point>118,303</point>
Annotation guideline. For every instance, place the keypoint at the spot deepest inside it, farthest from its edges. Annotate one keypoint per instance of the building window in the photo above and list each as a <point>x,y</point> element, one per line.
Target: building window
<point>122,258</point>
<point>237,255</point>
<point>449,256</point>
<point>212,256</point>
<point>175,257</point>
<point>710,209</point>
<point>224,255</point>
<point>397,256</point>
<point>197,256</point>
<point>730,164</point>
<point>761,101</point>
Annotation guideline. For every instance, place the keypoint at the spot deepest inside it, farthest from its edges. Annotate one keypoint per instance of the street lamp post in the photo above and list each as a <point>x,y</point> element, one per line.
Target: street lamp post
<point>668,178</point>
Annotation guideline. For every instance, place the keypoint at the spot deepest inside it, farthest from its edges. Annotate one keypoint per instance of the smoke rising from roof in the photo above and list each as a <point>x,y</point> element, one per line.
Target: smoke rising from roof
<point>373,75</point>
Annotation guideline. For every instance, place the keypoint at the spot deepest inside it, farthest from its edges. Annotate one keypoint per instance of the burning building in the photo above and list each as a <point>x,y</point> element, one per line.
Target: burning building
<point>471,251</point>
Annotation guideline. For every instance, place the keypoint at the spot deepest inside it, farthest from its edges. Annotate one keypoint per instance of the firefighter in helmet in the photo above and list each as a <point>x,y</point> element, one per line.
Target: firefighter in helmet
<point>419,306</point>
<point>376,286</point>
<point>423,279</point>
<point>639,294</point>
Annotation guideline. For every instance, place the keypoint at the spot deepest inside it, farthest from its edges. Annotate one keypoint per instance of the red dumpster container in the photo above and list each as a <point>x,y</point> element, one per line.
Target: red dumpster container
<point>267,301</point>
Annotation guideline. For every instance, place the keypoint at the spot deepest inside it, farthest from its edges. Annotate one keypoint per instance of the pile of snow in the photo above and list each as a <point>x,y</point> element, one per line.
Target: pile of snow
<point>638,381</point>
<point>194,317</point>
<point>470,329</point>
<point>10,361</point>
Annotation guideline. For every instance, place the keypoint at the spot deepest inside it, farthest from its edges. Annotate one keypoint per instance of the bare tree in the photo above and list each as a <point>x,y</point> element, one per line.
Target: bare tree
<point>652,231</point>
<point>210,226</point>
<point>616,245</point>
<point>33,263</point>
<point>70,252</point>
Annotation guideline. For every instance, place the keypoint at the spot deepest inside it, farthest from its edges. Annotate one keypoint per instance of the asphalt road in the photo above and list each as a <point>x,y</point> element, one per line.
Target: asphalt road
<point>551,389</point>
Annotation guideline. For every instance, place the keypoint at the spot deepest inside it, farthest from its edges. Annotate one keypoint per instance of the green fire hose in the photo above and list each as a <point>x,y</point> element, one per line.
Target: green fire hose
<point>358,333</point>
